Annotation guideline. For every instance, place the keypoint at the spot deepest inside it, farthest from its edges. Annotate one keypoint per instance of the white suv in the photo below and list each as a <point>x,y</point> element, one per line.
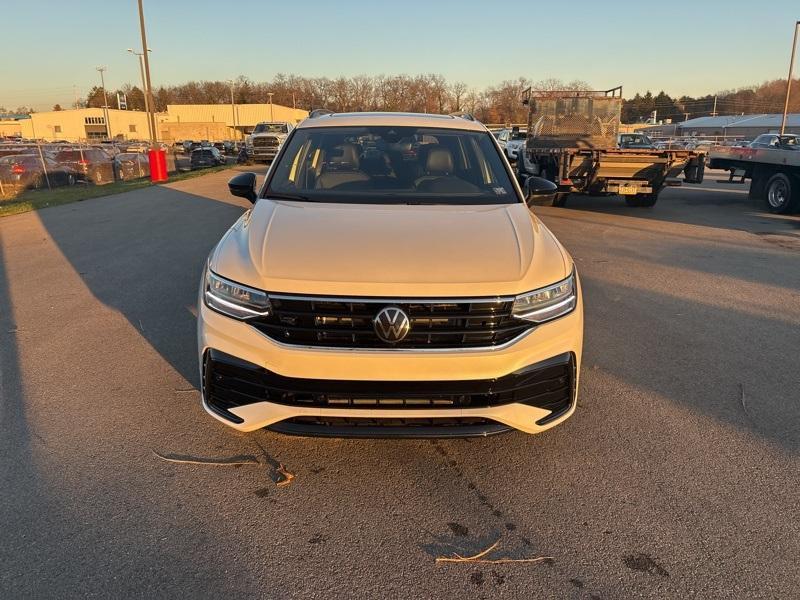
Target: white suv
<point>390,280</point>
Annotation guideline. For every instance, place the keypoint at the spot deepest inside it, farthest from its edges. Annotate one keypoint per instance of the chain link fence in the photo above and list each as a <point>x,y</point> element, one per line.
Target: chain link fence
<point>27,166</point>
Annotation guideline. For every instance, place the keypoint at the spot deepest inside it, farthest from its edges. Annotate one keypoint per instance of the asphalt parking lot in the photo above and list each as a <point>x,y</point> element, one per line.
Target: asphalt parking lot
<point>676,478</point>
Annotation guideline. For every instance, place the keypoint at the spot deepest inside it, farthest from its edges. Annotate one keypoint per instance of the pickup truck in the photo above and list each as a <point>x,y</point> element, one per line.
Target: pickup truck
<point>774,173</point>
<point>573,141</point>
<point>267,138</point>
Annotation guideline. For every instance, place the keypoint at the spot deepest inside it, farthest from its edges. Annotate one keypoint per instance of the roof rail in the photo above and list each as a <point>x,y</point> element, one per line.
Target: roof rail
<point>463,115</point>
<point>319,112</point>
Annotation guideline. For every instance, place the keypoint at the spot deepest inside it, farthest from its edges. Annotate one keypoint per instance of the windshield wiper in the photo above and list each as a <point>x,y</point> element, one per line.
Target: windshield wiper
<point>280,196</point>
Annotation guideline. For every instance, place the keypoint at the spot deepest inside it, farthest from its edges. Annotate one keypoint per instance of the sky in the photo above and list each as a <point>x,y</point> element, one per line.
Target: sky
<point>700,47</point>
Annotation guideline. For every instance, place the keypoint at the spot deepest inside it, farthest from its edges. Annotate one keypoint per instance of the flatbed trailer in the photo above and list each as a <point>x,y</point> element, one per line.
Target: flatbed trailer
<point>572,139</point>
<point>774,174</point>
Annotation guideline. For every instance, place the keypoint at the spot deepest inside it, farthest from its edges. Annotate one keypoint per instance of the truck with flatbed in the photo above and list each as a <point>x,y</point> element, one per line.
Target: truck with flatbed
<point>573,138</point>
<point>774,173</point>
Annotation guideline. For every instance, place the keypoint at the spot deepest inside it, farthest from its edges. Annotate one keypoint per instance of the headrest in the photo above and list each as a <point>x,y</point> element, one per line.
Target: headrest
<point>345,156</point>
<point>440,161</point>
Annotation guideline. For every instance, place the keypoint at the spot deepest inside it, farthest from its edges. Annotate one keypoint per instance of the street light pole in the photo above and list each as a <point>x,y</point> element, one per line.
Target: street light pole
<point>233,109</point>
<point>149,90</point>
<point>271,114</point>
<point>144,87</point>
<point>101,70</point>
<point>789,79</point>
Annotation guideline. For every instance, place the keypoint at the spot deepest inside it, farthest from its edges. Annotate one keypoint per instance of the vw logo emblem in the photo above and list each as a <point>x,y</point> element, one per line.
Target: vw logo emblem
<point>391,324</point>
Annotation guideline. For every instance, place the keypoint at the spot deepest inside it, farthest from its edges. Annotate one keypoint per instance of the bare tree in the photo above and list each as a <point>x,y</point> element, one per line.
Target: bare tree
<point>457,91</point>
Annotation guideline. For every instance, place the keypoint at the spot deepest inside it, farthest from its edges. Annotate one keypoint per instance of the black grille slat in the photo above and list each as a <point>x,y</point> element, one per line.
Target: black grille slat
<point>229,384</point>
<point>336,323</point>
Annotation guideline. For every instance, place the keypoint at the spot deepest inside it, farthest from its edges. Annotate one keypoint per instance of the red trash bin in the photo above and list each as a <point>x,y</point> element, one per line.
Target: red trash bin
<point>158,165</point>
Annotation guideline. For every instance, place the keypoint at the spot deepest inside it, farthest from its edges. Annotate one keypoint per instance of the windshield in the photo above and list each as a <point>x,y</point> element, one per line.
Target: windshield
<point>518,135</point>
<point>634,139</point>
<point>392,165</point>
<point>271,128</point>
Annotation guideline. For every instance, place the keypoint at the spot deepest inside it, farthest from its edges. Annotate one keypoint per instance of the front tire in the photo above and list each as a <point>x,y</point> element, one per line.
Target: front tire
<point>781,194</point>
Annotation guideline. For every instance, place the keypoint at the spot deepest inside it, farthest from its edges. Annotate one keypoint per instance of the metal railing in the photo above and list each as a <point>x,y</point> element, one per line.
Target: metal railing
<point>36,165</point>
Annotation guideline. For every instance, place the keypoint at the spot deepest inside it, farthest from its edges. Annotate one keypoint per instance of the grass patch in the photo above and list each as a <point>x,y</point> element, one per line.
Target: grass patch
<point>37,199</point>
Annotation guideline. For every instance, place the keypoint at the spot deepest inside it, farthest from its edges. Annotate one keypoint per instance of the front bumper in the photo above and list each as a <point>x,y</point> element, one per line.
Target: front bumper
<point>262,153</point>
<point>360,379</point>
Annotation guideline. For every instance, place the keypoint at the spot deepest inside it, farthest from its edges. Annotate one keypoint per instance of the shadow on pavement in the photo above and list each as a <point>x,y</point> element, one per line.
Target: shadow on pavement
<point>142,255</point>
<point>696,205</point>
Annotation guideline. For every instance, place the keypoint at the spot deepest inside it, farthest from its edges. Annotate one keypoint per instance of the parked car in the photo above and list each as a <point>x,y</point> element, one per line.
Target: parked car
<point>703,145</point>
<point>110,148</point>
<point>92,165</point>
<point>634,141</point>
<point>512,141</point>
<point>390,293</point>
<point>25,171</point>
<point>137,147</point>
<point>206,157</point>
<point>189,145</point>
<point>774,140</point>
<point>132,165</point>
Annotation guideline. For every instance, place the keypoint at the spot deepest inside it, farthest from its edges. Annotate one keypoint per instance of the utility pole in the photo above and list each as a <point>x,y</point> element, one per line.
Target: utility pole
<point>102,70</point>
<point>294,102</point>
<point>271,115</point>
<point>233,108</point>
<point>714,110</point>
<point>789,79</point>
<point>151,119</point>
<point>140,56</point>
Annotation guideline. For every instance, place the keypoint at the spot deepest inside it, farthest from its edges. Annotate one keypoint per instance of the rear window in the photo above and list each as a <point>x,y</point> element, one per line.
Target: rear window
<point>88,154</point>
<point>68,155</point>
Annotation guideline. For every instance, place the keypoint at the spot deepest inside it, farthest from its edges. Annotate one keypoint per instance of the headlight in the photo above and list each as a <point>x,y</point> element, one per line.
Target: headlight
<point>234,299</point>
<point>547,303</point>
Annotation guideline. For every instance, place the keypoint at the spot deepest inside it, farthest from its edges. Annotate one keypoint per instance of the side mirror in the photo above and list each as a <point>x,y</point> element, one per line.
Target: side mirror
<point>539,191</point>
<point>243,185</point>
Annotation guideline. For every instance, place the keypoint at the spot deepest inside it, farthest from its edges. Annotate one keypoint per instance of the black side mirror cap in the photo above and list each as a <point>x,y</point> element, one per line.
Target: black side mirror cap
<point>243,185</point>
<point>539,191</point>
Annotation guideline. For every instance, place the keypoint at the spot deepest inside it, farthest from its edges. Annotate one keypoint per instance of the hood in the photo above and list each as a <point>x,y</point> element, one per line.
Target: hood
<point>394,250</point>
<point>280,136</point>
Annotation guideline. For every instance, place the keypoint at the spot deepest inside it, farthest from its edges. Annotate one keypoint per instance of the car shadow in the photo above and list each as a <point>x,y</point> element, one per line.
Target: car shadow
<point>142,255</point>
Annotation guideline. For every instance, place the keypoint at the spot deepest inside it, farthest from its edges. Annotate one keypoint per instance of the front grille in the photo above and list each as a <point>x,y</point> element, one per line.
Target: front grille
<point>348,323</point>
<point>230,382</point>
<point>400,428</point>
<point>265,142</point>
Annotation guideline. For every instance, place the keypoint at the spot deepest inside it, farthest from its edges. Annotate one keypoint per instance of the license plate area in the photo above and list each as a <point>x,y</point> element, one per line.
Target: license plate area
<point>628,190</point>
